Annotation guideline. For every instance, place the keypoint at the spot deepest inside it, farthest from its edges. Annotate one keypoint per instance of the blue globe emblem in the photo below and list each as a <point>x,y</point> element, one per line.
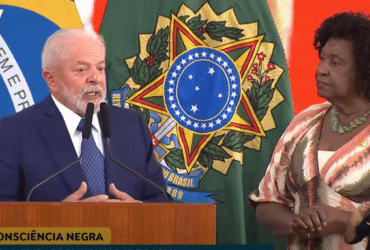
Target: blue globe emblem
<point>22,37</point>
<point>202,90</point>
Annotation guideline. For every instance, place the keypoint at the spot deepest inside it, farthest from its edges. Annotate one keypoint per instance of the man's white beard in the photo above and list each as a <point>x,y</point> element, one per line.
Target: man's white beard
<point>80,104</point>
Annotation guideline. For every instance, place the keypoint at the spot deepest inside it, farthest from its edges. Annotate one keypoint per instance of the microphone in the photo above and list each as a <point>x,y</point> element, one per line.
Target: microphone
<point>105,120</point>
<point>107,134</point>
<point>86,131</point>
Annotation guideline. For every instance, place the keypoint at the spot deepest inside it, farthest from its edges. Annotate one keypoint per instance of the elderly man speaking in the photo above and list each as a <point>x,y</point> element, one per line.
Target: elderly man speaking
<point>42,140</point>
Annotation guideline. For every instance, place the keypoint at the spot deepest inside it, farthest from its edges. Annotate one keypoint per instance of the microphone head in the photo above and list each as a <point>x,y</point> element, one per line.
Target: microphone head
<point>88,120</point>
<point>105,120</point>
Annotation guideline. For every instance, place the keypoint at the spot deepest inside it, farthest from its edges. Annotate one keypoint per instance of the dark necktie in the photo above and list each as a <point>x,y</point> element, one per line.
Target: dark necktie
<point>92,163</point>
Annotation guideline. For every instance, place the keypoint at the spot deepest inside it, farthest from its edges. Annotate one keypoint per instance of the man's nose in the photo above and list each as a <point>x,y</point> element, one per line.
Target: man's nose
<point>93,77</point>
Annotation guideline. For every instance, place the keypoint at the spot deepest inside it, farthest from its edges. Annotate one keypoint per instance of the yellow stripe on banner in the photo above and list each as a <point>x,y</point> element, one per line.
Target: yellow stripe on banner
<point>61,12</point>
<point>55,235</point>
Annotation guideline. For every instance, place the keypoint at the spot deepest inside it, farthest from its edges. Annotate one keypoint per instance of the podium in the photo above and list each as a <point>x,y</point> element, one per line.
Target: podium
<point>130,223</point>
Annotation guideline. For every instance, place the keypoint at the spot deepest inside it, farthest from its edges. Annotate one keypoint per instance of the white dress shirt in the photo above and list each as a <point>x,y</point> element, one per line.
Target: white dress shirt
<point>71,119</point>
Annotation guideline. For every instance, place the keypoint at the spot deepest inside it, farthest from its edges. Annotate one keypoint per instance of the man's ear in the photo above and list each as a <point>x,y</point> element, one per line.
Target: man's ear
<point>49,79</point>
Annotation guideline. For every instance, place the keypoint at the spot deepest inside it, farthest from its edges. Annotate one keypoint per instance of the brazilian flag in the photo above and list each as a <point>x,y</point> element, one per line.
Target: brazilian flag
<point>24,27</point>
<point>211,81</point>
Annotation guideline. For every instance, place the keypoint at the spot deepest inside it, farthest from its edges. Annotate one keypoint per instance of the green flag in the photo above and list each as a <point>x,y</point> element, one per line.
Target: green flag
<point>211,81</point>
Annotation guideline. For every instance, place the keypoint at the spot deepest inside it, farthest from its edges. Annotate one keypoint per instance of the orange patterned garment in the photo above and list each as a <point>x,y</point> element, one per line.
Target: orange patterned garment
<point>293,177</point>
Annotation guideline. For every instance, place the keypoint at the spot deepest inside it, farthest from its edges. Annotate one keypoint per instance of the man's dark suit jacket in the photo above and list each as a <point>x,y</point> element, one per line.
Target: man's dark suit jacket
<point>35,144</point>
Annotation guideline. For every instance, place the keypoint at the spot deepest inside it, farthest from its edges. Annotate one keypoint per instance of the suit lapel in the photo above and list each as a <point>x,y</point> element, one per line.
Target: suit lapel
<point>59,145</point>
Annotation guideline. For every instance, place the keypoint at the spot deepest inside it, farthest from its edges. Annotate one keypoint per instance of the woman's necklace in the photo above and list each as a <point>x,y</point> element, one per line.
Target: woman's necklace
<point>339,128</point>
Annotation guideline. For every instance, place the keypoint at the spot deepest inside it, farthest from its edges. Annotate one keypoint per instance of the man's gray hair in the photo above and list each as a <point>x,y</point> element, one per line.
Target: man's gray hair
<point>55,48</point>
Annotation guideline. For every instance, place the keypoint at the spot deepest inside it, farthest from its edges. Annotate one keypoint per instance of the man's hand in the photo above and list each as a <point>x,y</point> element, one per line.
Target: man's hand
<point>121,196</point>
<point>81,191</point>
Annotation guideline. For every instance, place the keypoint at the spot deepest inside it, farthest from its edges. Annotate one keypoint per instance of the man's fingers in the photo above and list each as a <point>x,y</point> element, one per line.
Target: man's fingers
<point>78,194</point>
<point>112,189</point>
<point>81,191</point>
<point>115,201</point>
<point>118,194</point>
<point>97,198</point>
<point>122,196</point>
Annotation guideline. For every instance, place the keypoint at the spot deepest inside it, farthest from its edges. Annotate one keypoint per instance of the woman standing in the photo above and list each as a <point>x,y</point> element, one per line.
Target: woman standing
<point>320,169</point>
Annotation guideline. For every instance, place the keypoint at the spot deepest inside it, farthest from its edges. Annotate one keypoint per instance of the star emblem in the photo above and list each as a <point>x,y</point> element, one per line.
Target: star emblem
<point>211,71</point>
<point>242,116</point>
<point>194,108</point>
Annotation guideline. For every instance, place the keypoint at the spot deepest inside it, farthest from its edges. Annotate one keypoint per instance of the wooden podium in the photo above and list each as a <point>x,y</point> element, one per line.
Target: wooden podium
<point>132,223</point>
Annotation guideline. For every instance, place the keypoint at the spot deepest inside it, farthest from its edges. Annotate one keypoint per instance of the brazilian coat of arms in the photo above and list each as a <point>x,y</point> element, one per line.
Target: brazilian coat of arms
<point>205,85</point>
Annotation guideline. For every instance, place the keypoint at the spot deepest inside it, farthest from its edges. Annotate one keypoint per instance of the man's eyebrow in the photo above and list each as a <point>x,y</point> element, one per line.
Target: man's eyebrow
<point>82,62</point>
<point>86,63</point>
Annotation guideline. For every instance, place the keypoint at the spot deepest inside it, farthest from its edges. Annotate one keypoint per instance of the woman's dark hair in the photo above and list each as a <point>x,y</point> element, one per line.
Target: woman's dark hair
<point>355,27</point>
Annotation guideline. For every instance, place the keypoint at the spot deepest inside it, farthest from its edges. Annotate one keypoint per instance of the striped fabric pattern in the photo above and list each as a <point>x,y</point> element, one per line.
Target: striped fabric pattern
<point>293,176</point>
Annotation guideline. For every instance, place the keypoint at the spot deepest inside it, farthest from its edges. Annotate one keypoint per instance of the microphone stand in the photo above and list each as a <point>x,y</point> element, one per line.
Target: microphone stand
<point>107,139</point>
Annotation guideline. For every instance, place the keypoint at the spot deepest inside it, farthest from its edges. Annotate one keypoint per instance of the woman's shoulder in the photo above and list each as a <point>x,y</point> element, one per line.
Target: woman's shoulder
<point>314,110</point>
<point>310,115</point>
